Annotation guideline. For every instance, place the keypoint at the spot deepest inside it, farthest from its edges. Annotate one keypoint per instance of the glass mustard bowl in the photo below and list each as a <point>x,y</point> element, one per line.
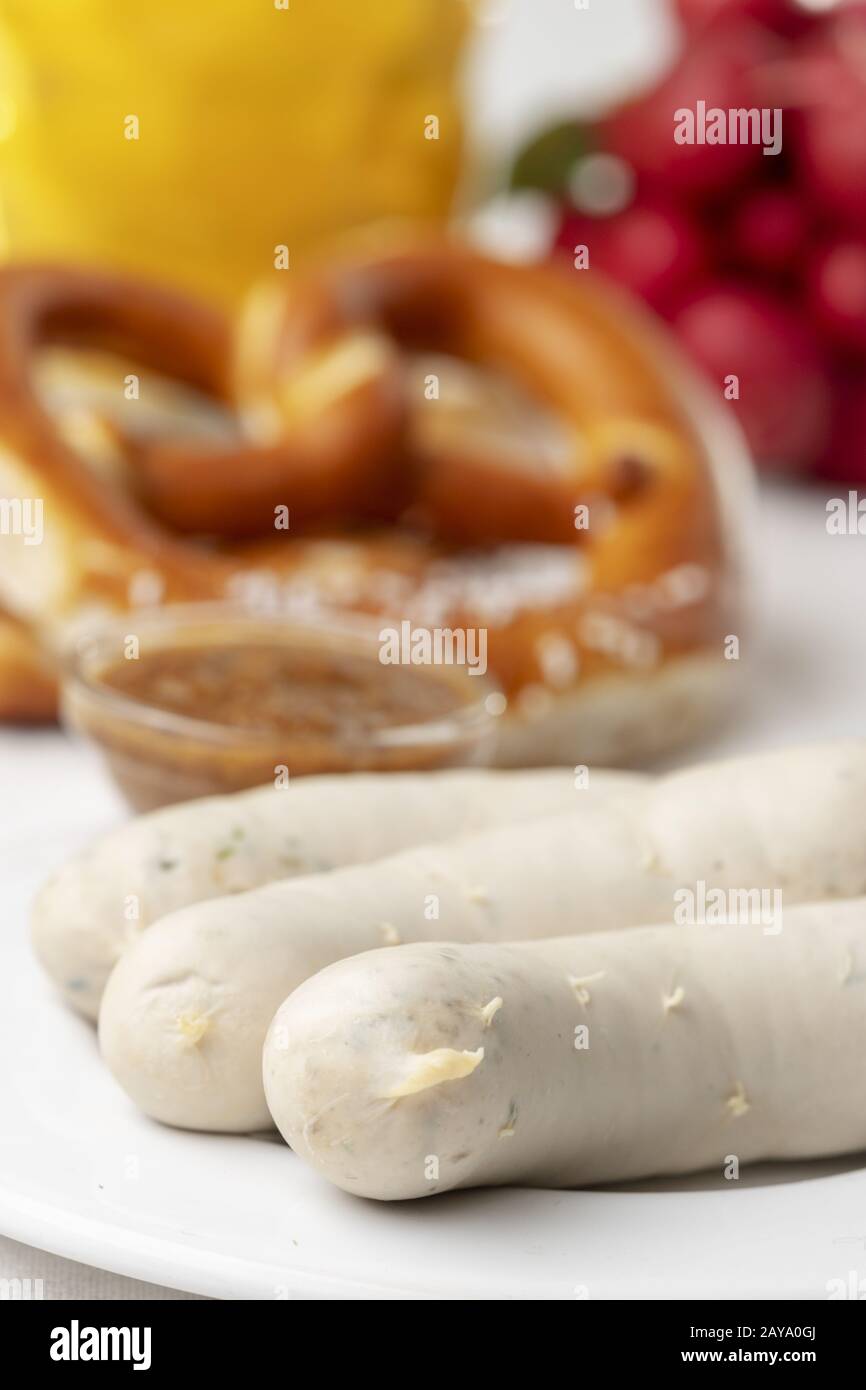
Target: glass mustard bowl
<point>204,699</point>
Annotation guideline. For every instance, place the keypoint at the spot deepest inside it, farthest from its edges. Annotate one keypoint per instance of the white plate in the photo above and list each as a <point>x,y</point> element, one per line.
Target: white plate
<point>84,1176</point>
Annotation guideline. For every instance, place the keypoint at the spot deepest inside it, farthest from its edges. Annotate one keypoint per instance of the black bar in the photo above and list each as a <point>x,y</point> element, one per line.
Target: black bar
<point>222,1339</point>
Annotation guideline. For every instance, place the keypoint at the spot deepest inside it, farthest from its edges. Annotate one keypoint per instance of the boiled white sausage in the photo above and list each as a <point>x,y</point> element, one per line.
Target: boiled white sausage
<point>583,1060</point>
<point>90,911</point>
<point>187,1009</point>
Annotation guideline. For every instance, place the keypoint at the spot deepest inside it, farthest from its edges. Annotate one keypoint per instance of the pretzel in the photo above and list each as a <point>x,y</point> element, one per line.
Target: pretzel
<point>606,637</point>
<point>322,440</point>
<point>330,381</point>
<point>619,433</point>
<point>27,687</point>
<point>106,544</point>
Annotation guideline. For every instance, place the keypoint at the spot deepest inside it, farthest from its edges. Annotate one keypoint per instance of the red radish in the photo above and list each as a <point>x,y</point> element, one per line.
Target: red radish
<point>769,231</point>
<point>717,69</point>
<point>749,342</point>
<point>829,89</point>
<point>652,247</point>
<point>837,294</point>
<point>845,456</point>
<point>784,16</point>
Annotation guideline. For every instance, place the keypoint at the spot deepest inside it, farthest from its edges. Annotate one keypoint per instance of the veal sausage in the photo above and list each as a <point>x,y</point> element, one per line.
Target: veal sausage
<point>90,911</point>
<point>659,1050</point>
<point>186,1011</point>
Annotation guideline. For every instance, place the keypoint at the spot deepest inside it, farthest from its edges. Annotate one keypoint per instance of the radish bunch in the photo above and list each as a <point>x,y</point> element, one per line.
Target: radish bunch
<point>758,261</point>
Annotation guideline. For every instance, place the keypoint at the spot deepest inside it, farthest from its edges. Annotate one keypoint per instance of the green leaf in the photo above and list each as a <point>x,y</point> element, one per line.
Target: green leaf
<point>548,160</point>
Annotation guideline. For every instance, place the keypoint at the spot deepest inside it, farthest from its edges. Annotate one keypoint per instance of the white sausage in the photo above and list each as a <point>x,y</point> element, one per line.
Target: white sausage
<point>87,914</point>
<point>405,1073</point>
<point>186,1011</point>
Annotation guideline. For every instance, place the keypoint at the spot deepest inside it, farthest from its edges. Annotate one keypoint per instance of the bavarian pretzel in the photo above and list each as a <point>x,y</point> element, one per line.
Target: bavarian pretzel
<point>606,638</point>
<point>648,578</point>
<point>622,437</point>
<point>323,439</point>
<point>97,539</point>
<point>103,543</point>
<point>27,689</point>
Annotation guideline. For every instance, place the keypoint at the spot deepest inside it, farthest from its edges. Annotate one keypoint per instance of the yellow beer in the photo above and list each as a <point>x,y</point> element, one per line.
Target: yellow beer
<point>192,138</point>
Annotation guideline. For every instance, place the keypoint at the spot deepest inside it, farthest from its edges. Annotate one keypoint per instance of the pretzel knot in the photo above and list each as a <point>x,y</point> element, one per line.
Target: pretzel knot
<point>484,445</point>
